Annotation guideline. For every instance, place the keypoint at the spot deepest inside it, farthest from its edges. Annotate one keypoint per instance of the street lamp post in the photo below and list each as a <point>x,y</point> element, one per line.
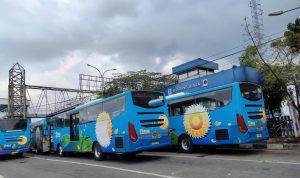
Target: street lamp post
<point>101,75</point>
<point>282,12</point>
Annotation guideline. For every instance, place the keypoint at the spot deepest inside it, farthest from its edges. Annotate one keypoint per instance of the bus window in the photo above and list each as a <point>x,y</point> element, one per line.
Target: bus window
<point>146,99</point>
<point>59,123</point>
<point>114,107</point>
<point>13,125</point>
<point>91,113</point>
<point>182,106</point>
<point>83,117</point>
<point>250,91</point>
<point>67,122</point>
<point>215,99</point>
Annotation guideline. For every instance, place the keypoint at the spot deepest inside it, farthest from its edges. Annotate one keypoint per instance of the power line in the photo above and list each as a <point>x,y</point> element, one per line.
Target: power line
<point>241,45</point>
<point>237,52</point>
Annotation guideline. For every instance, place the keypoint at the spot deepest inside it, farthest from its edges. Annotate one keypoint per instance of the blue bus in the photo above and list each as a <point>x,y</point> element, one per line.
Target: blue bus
<point>129,122</point>
<point>40,137</point>
<point>217,109</point>
<point>228,114</point>
<point>14,136</point>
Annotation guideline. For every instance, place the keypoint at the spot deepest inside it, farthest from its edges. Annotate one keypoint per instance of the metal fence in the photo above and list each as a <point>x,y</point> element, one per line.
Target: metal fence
<point>280,127</point>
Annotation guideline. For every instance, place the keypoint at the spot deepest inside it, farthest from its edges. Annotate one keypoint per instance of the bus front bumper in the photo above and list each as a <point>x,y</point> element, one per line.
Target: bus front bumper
<point>14,152</point>
<point>149,144</point>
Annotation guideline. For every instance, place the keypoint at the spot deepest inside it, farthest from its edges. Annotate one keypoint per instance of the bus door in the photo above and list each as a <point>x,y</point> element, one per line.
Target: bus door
<point>74,127</point>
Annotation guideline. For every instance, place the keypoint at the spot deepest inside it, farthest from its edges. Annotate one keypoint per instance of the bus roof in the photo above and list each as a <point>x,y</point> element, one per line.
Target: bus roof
<point>236,74</point>
<point>183,95</point>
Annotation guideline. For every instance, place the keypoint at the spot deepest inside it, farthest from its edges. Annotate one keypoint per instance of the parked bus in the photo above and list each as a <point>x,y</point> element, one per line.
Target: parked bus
<point>229,114</point>
<point>40,138</point>
<point>125,123</point>
<point>14,136</point>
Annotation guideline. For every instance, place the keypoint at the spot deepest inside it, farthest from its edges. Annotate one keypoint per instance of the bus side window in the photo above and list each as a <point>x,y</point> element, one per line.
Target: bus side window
<point>83,116</point>
<point>215,99</point>
<point>176,110</point>
<point>67,122</point>
<point>92,112</point>
<point>182,105</point>
<point>114,107</point>
<point>59,123</point>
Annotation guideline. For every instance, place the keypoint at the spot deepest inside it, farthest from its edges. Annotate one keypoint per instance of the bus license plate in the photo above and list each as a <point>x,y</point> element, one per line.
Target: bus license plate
<point>258,135</point>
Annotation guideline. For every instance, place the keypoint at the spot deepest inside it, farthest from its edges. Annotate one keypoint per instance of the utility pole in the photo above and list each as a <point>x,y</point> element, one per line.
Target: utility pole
<point>257,23</point>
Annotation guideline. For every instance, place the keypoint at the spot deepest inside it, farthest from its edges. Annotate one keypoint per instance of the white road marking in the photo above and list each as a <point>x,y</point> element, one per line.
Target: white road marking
<point>224,159</point>
<point>108,167</point>
<point>1,176</point>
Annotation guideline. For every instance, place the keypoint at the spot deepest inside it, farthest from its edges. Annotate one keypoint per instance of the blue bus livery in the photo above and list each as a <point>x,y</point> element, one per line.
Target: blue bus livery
<point>129,122</point>
<point>14,136</point>
<point>232,113</point>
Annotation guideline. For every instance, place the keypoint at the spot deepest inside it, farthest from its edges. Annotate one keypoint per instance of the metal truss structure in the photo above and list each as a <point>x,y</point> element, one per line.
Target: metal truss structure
<point>30,101</point>
<point>17,105</point>
<point>257,22</point>
<point>47,101</point>
<point>92,83</point>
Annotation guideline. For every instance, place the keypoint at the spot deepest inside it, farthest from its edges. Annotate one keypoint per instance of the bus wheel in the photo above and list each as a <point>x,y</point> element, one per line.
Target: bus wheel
<point>60,151</point>
<point>186,144</point>
<point>19,155</point>
<point>98,155</point>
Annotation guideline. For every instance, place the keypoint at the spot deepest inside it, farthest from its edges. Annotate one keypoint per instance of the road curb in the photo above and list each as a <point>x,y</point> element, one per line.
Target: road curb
<point>270,146</point>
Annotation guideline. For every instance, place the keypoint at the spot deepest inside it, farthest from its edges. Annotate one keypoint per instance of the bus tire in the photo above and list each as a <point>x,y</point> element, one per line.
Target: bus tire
<point>186,144</point>
<point>60,151</point>
<point>98,155</point>
<point>131,155</point>
<point>19,155</point>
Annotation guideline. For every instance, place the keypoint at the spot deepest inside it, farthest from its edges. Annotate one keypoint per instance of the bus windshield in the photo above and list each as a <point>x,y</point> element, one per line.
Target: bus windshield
<point>250,91</point>
<point>148,99</point>
<point>7,125</point>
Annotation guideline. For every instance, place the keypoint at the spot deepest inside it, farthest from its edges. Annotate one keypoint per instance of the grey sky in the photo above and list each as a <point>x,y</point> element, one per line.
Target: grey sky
<point>54,40</point>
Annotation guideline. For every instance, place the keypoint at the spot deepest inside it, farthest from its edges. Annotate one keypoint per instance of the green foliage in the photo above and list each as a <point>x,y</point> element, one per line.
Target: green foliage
<point>292,37</point>
<point>249,57</point>
<point>139,80</point>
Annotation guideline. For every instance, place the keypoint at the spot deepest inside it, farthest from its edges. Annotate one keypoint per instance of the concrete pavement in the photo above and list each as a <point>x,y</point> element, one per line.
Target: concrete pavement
<point>167,164</point>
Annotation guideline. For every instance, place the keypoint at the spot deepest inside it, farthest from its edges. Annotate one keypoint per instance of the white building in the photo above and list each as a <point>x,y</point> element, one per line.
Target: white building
<point>288,110</point>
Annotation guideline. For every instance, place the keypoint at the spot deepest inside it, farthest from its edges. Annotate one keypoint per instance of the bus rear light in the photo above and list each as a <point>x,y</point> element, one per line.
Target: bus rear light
<point>241,123</point>
<point>1,148</point>
<point>132,133</point>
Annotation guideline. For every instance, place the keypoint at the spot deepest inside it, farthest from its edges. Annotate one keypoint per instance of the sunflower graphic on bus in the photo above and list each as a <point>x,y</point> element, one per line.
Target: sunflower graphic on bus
<point>104,129</point>
<point>165,121</point>
<point>196,121</point>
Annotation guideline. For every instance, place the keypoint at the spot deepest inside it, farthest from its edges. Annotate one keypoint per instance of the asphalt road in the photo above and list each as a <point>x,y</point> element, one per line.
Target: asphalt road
<point>160,164</point>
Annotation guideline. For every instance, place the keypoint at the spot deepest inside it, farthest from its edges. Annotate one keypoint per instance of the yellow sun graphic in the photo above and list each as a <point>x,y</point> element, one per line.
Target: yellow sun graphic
<point>104,129</point>
<point>264,117</point>
<point>197,121</point>
<point>23,140</point>
<point>165,122</point>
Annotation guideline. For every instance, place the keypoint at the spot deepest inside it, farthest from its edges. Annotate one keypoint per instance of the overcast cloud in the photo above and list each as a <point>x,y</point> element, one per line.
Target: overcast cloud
<point>53,40</point>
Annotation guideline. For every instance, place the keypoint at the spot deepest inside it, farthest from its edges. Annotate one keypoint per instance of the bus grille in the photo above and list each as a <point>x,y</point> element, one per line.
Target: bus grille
<point>151,122</point>
<point>222,134</point>
<point>119,142</point>
<point>255,114</point>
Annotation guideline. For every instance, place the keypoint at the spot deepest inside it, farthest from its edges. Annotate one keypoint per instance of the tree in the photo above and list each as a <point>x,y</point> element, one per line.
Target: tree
<point>283,69</point>
<point>139,80</point>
